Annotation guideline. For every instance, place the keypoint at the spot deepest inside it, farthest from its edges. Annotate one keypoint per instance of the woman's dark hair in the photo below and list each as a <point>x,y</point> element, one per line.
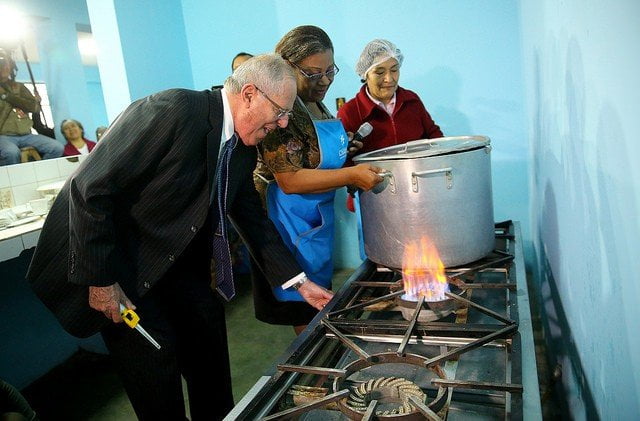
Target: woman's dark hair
<point>302,42</point>
<point>70,120</point>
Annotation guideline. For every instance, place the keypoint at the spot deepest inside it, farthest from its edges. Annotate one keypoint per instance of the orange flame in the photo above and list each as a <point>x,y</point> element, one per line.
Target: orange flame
<point>423,272</point>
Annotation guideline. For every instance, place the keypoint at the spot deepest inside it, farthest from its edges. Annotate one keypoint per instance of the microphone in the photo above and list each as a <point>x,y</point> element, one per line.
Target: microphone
<point>363,131</point>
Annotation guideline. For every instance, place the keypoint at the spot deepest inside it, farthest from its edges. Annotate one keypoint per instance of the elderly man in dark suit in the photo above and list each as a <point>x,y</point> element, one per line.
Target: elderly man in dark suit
<point>139,221</point>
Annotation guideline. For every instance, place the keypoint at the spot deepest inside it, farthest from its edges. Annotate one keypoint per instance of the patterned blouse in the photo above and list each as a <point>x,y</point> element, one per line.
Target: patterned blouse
<point>290,149</point>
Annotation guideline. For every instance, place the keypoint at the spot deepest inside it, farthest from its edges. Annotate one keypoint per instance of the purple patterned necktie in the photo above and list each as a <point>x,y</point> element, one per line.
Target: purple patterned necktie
<point>221,253</point>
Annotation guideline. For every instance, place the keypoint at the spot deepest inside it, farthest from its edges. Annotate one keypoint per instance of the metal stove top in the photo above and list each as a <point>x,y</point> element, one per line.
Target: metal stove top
<point>367,357</point>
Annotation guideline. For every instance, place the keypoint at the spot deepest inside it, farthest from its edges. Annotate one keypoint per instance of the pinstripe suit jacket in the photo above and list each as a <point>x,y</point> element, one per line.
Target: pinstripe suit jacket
<point>139,199</point>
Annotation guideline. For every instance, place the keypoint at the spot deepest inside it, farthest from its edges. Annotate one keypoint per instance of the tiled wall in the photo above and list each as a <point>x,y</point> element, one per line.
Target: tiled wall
<point>18,183</point>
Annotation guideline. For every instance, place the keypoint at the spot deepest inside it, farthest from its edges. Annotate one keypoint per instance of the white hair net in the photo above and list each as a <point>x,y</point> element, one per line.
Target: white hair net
<point>376,52</point>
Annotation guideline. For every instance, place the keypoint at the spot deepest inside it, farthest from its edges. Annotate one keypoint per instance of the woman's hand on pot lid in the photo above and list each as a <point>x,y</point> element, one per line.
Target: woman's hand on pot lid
<point>366,176</point>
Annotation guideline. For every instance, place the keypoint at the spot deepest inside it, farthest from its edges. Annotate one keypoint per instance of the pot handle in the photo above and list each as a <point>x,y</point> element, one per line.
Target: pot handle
<point>447,172</point>
<point>418,142</point>
<point>388,180</point>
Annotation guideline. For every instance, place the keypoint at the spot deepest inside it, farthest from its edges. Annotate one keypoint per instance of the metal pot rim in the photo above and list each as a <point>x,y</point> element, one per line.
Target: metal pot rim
<point>425,148</point>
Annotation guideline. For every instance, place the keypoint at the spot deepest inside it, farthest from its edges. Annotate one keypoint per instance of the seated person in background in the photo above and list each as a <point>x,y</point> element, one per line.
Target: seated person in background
<point>239,59</point>
<point>99,132</point>
<point>396,114</point>
<point>15,125</point>
<point>77,144</point>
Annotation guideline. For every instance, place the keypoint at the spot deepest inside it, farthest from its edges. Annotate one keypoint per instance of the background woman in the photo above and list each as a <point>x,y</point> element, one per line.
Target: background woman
<point>77,144</point>
<point>396,114</point>
<point>298,170</point>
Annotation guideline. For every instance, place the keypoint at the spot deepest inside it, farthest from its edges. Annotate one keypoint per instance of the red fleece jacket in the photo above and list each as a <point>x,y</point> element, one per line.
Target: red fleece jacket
<point>410,120</point>
<point>70,150</point>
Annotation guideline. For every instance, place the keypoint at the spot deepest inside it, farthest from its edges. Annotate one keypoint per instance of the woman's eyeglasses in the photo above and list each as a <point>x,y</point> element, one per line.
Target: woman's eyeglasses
<point>280,112</point>
<point>314,77</point>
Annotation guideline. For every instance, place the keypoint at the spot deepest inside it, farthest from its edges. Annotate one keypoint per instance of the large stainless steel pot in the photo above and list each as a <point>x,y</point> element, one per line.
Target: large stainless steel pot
<point>439,188</point>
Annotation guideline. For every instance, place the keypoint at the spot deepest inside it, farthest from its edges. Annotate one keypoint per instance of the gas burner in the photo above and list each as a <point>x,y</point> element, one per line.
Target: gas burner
<point>390,393</point>
<point>430,310</point>
<point>389,397</point>
<point>495,260</point>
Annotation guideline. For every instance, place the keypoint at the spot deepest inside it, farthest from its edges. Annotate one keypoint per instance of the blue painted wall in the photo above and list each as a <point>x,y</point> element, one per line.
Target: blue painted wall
<point>582,63</point>
<point>142,49</point>
<point>462,57</point>
<point>154,46</point>
<point>96,99</point>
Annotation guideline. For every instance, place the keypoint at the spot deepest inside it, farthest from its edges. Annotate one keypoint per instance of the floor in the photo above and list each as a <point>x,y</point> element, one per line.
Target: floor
<point>67,392</point>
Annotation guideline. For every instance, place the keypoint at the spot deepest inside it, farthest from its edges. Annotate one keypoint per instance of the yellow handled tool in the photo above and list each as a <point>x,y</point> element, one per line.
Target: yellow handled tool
<point>132,319</point>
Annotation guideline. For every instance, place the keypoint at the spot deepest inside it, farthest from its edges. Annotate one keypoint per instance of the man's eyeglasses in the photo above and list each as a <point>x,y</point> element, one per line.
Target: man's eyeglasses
<point>280,112</point>
<point>314,77</point>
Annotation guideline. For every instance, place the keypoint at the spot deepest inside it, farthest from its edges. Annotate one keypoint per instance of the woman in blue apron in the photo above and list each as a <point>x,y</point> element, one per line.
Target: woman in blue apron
<point>299,169</point>
<point>306,221</point>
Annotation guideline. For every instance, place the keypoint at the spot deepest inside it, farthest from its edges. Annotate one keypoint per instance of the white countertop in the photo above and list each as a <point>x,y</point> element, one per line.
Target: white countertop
<point>16,239</point>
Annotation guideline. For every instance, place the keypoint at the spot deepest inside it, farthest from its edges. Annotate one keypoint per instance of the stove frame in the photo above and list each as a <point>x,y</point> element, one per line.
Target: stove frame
<point>491,339</point>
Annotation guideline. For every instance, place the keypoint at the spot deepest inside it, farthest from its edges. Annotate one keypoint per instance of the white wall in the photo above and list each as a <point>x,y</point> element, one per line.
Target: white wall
<point>582,64</point>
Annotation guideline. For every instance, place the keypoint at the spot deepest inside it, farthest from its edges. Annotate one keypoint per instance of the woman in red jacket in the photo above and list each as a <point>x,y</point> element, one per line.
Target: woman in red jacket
<point>396,114</point>
<point>77,144</point>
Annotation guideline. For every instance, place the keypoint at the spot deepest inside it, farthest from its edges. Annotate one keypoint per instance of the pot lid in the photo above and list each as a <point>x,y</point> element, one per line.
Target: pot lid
<point>425,147</point>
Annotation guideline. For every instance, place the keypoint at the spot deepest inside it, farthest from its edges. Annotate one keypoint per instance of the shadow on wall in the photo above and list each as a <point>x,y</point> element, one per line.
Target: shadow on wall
<point>558,332</point>
<point>584,239</point>
<point>618,230</point>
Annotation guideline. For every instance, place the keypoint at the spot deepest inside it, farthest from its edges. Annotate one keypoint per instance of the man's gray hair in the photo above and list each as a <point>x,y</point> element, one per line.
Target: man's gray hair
<point>267,71</point>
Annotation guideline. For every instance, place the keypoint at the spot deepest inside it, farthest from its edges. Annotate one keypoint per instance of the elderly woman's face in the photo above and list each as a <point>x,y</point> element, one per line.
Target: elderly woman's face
<point>71,130</point>
<point>382,80</point>
<point>311,90</point>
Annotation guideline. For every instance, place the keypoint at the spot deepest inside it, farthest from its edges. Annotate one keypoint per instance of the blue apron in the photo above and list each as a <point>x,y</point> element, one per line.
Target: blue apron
<point>306,221</point>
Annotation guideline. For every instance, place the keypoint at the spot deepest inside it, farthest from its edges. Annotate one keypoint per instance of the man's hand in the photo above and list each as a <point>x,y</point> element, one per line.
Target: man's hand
<point>315,295</point>
<point>107,300</point>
